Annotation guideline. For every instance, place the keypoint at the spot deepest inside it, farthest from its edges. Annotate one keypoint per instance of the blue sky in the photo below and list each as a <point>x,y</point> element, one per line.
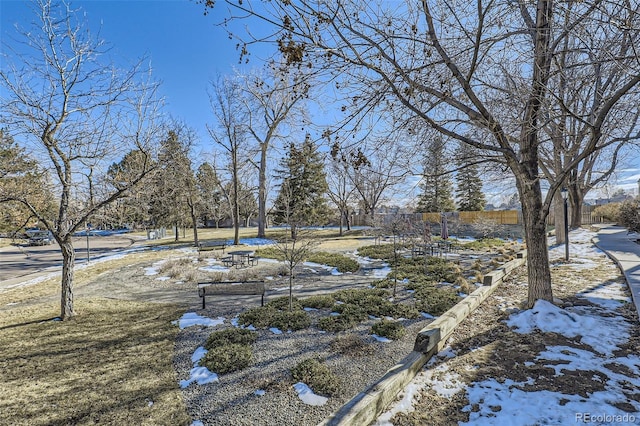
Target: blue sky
<point>186,49</point>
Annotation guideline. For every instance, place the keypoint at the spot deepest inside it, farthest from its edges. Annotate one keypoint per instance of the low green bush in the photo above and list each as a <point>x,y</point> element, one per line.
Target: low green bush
<point>338,261</point>
<point>282,303</point>
<point>259,317</point>
<point>270,253</point>
<point>394,310</point>
<point>353,313</point>
<point>227,358</point>
<point>484,244</point>
<point>318,301</point>
<point>294,320</point>
<point>315,374</point>
<point>268,316</point>
<point>336,324</point>
<point>435,301</point>
<point>381,251</point>
<point>383,283</point>
<point>393,330</point>
<point>230,336</point>
<point>351,345</point>
<point>357,295</point>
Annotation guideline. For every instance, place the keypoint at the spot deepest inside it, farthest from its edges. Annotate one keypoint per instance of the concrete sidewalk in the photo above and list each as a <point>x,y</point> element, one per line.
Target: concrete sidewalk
<point>624,250</point>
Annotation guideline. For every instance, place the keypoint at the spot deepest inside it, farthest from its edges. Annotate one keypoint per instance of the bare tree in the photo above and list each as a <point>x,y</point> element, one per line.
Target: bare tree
<point>230,135</point>
<point>78,114</point>
<point>295,251</point>
<point>374,168</point>
<point>271,102</point>
<point>460,67</point>
<point>341,191</point>
<point>578,95</point>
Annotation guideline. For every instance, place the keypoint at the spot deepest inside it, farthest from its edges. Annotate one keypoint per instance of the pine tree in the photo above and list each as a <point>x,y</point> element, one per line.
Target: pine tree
<point>211,206</point>
<point>21,178</point>
<point>301,200</point>
<point>469,185</point>
<point>437,189</point>
<point>173,183</point>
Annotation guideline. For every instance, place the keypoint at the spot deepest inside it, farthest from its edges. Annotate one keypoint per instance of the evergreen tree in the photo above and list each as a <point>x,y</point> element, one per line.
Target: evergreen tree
<point>211,204</point>
<point>173,183</point>
<point>437,188</point>
<point>301,200</point>
<point>133,207</point>
<point>21,177</point>
<point>469,185</point>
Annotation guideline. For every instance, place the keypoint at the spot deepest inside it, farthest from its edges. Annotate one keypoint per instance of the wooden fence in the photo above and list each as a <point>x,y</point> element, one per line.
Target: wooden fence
<point>501,217</point>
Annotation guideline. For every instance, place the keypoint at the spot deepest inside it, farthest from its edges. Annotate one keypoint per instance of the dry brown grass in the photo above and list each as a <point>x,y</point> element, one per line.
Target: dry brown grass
<point>112,364</point>
<point>82,276</point>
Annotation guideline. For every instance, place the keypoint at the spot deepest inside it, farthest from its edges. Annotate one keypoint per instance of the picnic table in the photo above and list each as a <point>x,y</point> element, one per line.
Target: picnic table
<point>240,258</point>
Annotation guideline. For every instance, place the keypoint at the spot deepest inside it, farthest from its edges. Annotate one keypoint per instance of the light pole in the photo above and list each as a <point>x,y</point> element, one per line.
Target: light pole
<point>565,195</point>
<point>87,227</point>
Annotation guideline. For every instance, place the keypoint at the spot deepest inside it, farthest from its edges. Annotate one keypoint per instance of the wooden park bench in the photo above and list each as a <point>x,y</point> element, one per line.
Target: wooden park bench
<point>230,288</point>
<point>212,245</point>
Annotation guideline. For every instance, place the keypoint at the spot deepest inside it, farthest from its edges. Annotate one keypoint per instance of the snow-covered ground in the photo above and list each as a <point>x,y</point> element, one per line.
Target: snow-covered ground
<point>600,326</point>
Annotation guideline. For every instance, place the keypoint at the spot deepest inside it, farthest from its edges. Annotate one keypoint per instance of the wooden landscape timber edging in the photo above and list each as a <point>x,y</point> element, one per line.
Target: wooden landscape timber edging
<point>369,404</point>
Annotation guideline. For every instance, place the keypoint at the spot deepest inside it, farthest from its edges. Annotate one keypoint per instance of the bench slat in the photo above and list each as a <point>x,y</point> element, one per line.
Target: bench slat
<point>230,288</point>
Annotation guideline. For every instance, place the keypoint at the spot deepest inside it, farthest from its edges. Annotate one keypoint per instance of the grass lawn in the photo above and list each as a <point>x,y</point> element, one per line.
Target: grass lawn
<point>112,364</point>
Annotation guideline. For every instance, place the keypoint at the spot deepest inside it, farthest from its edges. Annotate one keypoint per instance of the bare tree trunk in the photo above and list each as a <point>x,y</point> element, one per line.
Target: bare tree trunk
<point>68,262</point>
<point>262,194</point>
<point>558,217</point>
<point>194,221</point>
<point>539,272</point>
<point>575,206</point>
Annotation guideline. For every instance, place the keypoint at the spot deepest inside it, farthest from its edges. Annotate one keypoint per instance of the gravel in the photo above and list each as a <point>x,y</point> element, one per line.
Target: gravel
<point>233,400</point>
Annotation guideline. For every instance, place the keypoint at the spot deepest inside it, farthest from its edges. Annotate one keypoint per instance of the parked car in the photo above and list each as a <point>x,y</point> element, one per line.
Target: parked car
<point>41,238</point>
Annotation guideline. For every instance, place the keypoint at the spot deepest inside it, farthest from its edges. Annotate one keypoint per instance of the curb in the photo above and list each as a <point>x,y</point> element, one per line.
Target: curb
<point>369,404</point>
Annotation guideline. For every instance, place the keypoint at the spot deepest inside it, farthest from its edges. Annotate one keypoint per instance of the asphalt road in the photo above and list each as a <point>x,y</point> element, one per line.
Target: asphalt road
<point>19,261</point>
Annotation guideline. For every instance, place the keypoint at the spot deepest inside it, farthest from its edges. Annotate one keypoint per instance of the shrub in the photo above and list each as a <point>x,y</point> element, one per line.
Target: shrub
<point>318,301</point>
<point>390,329</point>
<point>384,283</point>
<point>351,345</point>
<point>435,300</point>
<point>336,324</point>
<point>484,244</point>
<point>230,336</point>
<point>227,358</point>
<point>315,374</point>
<point>290,320</point>
<point>282,303</point>
<point>629,215</point>
<point>259,317</point>
<point>464,285</point>
<point>351,312</point>
<point>339,261</point>
<point>270,253</point>
<point>609,212</point>
<point>382,251</point>
<point>356,296</point>
<point>268,316</point>
<point>396,310</point>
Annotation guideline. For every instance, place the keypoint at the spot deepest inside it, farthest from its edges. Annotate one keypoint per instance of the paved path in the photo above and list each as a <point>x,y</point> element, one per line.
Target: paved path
<point>20,264</point>
<point>623,249</point>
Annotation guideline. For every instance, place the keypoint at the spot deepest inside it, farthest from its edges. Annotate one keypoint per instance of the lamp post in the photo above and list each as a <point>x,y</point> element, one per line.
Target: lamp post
<point>87,228</point>
<point>565,195</point>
